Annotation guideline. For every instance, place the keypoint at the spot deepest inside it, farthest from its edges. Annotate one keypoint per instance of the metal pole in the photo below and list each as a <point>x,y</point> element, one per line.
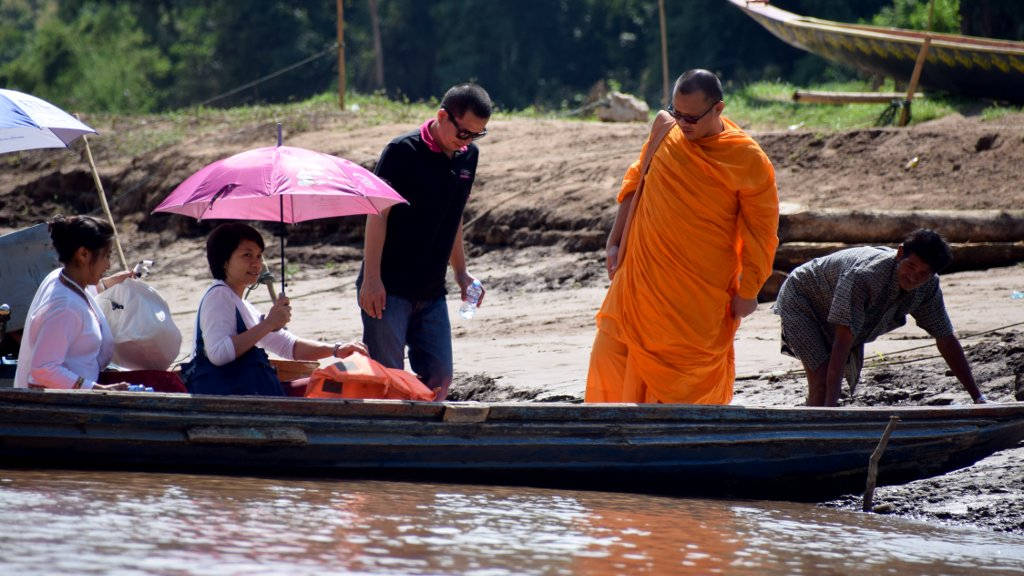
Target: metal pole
<point>103,202</point>
<point>280,198</point>
<point>664,53</point>
<point>341,54</point>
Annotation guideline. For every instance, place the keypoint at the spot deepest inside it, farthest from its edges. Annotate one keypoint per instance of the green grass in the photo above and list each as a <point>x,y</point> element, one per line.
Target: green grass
<point>770,106</point>
<point>757,106</point>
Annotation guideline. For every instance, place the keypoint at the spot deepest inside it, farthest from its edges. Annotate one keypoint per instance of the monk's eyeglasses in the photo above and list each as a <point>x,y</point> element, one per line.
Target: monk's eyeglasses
<point>460,132</point>
<point>686,117</point>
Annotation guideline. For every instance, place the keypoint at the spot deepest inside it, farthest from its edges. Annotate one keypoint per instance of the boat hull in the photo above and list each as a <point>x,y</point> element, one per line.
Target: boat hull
<point>958,64</point>
<point>799,453</point>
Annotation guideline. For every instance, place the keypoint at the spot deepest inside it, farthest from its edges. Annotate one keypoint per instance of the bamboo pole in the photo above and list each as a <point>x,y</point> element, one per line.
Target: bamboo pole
<point>103,202</point>
<point>341,54</point>
<point>869,489</point>
<point>823,97</point>
<point>915,76</point>
<point>664,54</point>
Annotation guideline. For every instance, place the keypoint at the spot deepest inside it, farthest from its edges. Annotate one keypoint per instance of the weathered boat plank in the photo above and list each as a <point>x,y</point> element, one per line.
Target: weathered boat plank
<point>797,452</point>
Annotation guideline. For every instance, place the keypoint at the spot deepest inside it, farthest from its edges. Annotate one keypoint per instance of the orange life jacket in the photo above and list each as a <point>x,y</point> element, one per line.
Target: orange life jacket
<point>358,376</point>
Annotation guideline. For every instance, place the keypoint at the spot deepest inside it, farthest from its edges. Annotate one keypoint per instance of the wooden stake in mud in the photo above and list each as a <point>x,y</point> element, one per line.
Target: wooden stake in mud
<point>103,202</point>
<point>869,489</point>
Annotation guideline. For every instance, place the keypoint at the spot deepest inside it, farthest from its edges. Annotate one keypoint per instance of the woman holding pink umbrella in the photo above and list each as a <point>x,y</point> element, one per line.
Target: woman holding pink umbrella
<point>231,335</point>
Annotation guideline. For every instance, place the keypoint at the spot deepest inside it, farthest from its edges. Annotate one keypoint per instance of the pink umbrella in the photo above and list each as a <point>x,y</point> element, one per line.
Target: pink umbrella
<point>283,184</point>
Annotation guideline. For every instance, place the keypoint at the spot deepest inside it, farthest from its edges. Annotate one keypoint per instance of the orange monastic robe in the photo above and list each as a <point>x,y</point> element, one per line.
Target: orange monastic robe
<point>705,229</point>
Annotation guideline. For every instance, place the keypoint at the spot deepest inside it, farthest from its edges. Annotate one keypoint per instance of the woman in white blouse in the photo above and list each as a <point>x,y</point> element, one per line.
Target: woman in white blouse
<point>67,342</point>
<point>231,334</point>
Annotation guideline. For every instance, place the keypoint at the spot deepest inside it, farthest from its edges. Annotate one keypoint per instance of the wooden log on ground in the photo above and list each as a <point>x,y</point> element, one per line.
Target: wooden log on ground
<point>868,226</point>
<point>966,256</point>
<point>823,97</point>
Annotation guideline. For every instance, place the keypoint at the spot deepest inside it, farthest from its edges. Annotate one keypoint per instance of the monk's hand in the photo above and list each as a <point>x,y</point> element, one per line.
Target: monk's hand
<point>611,260</point>
<point>280,314</point>
<point>743,307</point>
<point>372,297</point>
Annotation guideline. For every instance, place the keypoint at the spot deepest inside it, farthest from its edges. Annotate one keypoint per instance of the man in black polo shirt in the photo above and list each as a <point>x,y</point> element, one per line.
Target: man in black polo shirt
<point>408,247</point>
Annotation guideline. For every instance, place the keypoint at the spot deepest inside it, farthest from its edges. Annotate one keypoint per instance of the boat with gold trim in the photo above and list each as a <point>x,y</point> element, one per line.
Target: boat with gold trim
<point>967,65</point>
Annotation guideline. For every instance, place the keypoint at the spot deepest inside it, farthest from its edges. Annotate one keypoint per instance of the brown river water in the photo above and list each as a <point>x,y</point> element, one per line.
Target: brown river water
<point>120,523</point>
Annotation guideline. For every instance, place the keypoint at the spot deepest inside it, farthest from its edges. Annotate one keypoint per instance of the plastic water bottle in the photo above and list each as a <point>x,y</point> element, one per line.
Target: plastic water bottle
<point>139,388</point>
<point>473,293</point>
<point>141,270</point>
<point>1017,295</point>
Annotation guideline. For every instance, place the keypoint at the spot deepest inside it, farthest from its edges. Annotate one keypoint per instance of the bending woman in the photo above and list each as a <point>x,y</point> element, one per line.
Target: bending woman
<point>67,341</point>
<point>231,334</point>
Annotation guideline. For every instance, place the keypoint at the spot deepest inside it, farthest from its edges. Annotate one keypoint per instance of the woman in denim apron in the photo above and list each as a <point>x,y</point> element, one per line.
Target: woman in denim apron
<point>231,334</point>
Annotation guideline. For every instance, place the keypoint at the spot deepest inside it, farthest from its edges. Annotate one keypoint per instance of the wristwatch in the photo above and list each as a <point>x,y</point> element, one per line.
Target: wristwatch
<point>337,346</point>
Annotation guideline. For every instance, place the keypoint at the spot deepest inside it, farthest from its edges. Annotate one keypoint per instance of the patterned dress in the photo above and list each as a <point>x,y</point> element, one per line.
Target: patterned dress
<point>857,288</point>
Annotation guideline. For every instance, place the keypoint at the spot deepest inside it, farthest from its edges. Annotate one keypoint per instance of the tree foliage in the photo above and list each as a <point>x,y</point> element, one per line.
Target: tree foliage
<point>148,55</point>
<point>942,15</point>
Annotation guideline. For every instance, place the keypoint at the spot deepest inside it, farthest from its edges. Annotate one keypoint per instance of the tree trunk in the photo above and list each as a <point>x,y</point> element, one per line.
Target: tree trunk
<point>966,256</point>
<point>378,50</point>
<point>891,226</point>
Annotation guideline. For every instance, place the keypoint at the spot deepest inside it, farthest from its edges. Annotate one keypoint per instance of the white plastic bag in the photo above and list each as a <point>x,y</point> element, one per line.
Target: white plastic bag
<point>145,337</point>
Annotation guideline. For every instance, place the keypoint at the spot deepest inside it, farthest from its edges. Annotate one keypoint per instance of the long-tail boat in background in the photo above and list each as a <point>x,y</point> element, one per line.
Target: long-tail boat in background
<point>966,65</point>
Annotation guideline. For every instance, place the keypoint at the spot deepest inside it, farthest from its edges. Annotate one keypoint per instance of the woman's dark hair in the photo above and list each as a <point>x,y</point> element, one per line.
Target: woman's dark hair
<point>222,243</point>
<point>929,247</point>
<point>69,233</point>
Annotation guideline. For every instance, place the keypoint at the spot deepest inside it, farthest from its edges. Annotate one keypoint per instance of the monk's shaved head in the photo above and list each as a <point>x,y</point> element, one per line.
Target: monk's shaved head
<point>699,80</point>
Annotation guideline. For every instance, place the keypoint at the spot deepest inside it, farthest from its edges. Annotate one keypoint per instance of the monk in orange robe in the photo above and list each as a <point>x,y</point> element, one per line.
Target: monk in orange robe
<point>701,242</point>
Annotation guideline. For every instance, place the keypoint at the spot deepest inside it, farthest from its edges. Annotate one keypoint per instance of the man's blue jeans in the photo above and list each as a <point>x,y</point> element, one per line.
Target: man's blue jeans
<point>421,325</point>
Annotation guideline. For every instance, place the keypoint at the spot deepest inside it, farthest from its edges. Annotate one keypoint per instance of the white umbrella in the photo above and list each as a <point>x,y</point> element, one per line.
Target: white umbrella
<point>27,123</point>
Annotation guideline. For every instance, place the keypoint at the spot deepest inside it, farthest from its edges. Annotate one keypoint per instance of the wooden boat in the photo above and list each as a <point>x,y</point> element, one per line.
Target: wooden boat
<point>796,453</point>
<point>960,64</point>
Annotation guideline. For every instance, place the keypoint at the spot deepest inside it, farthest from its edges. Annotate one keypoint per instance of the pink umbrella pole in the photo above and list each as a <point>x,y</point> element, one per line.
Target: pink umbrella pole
<point>283,235</point>
<point>284,231</point>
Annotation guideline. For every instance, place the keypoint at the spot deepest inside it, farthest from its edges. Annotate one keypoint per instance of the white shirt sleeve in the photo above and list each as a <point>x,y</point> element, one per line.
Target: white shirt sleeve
<point>281,342</point>
<point>217,323</point>
<point>53,336</point>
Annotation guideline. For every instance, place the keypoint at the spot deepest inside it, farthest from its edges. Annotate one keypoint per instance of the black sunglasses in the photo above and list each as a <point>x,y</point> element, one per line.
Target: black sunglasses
<point>686,117</point>
<point>460,132</point>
